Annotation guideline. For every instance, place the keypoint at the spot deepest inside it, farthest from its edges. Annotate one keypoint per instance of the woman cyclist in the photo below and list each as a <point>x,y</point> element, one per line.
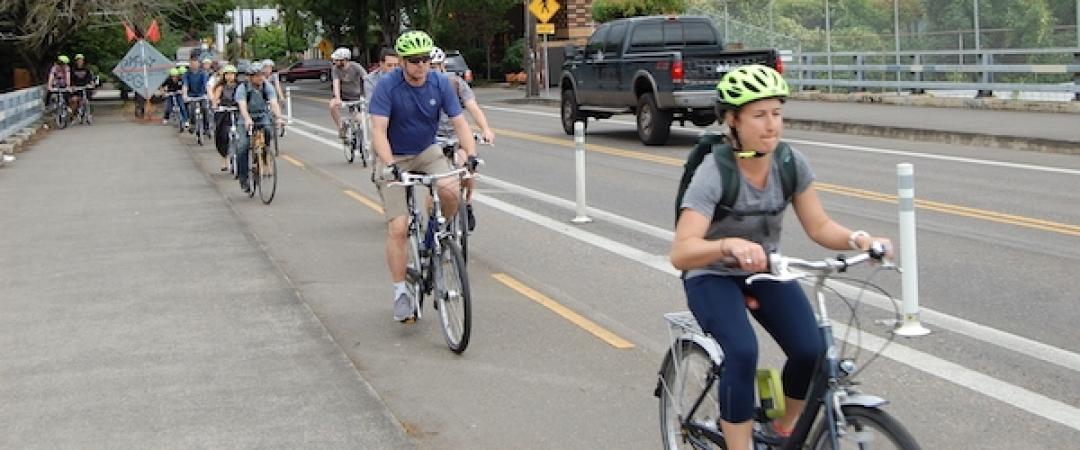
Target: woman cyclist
<point>223,94</point>
<point>718,256</point>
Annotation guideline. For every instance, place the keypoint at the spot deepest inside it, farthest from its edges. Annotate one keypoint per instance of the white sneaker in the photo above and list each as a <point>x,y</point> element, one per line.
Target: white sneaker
<point>403,308</point>
<point>164,121</point>
<point>9,158</point>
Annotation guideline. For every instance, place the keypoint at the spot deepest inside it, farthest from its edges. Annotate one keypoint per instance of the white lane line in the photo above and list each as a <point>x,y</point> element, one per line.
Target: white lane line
<point>1016,396</point>
<point>859,148</point>
<point>1032,402</point>
<point>1003,339</point>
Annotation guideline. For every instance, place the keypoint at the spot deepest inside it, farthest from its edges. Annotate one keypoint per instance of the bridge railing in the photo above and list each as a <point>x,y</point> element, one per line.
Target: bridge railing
<point>19,109</point>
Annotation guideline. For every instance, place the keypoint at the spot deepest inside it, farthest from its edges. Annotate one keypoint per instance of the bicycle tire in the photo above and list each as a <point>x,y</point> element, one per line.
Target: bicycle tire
<point>461,228</point>
<point>349,143</point>
<point>414,275</point>
<point>89,111</point>
<point>198,127</point>
<point>683,377</point>
<point>253,172</point>
<point>268,183</point>
<point>358,144</point>
<point>453,298</point>
<point>862,422</point>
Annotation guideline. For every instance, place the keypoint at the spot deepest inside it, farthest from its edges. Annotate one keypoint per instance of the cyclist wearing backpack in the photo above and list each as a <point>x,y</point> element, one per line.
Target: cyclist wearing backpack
<point>256,99</point>
<point>721,237</point>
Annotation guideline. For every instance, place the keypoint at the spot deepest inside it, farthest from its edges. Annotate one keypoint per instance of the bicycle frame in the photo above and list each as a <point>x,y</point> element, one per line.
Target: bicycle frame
<point>828,392</point>
<point>417,232</point>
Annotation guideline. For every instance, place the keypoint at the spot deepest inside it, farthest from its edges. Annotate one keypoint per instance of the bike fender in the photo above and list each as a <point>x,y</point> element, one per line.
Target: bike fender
<point>868,401</point>
<point>710,346</point>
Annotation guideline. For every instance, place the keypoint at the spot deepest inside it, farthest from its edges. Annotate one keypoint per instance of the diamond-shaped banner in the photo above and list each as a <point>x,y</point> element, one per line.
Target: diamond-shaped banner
<point>143,69</point>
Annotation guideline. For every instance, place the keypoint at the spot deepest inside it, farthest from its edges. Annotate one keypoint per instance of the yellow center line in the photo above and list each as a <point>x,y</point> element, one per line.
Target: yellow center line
<point>292,160</point>
<point>568,314</point>
<point>964,211</point>
<point>366,201</point>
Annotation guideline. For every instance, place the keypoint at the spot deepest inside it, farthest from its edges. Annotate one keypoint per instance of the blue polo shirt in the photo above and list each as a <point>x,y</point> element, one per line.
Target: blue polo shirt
<point>413,111</point>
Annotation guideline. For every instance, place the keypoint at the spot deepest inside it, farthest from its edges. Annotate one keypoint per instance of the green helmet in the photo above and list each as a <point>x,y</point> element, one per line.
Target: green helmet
<point>414,43</point>
<point>230,69</point>
<point>63,59</point>
<point>79,56</point>
<point>750,83</point>
<point>174,72</point>
<point>182,69</point>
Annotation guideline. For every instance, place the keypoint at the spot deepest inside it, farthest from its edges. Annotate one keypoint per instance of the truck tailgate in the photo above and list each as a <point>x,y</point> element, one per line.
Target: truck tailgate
<point>706,68</point>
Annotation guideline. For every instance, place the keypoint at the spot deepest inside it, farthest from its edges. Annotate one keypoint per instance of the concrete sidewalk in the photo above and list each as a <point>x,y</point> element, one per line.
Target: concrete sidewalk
<point>136,311</point>
<point>1039,131</point>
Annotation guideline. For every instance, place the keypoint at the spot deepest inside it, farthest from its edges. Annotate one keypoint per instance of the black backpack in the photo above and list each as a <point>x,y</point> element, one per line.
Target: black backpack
<point>718,146</point>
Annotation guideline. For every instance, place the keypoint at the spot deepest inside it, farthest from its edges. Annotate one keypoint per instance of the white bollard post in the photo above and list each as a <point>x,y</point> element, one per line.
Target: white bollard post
<point>910,324</point>
<point>288,103</point>
<point>579,161</point>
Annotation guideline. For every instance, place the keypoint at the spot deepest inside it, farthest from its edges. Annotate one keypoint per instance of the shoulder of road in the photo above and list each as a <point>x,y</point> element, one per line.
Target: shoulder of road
<point>139,311</point>
<point>953,121</point>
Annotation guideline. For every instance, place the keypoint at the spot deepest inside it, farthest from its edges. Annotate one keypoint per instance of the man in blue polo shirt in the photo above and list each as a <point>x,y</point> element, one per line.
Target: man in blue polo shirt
<point>195,87</point>
<point>404,118</point>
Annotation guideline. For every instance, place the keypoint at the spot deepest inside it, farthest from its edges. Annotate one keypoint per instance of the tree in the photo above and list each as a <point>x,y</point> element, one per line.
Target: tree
<point>269,41</point>
<point>605,10</point>
<point>472,22</point>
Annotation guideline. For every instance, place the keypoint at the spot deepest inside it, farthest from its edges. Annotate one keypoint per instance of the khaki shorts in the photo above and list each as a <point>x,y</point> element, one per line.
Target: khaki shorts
<point>431,160</point>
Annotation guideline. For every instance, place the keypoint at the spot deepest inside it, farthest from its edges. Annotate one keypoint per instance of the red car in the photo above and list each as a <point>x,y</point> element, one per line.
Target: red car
<point>308,69</point>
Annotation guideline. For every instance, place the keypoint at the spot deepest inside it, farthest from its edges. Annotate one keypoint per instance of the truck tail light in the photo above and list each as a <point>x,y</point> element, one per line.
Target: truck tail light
<point>677,74</point>
<point>780,64</point>
<point>468,75</point>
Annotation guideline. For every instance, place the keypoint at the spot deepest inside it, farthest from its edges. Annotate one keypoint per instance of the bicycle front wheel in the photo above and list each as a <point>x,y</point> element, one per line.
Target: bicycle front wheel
<point>349,144</point>
<point>268,175</point>
<point>684,379</point>
<point>453,298</point>
<point>866,428</point>
<point>460,229</point>
<point>253,172</point>
<point>199,131</point>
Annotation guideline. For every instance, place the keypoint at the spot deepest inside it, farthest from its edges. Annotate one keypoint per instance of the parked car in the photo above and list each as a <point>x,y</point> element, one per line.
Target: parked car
<point>661,68</point>
<point>455,63</point>
<point>308,69</point>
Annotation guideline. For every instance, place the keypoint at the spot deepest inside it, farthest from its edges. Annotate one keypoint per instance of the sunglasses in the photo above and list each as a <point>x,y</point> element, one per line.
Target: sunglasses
<point>418,59</point>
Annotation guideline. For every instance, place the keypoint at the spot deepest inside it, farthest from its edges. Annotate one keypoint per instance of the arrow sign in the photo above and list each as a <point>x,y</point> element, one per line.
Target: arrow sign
<point>543,10</point>
<point>143,69</point>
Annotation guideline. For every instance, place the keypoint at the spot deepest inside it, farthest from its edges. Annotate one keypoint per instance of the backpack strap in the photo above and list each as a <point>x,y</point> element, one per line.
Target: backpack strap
<point>693,160</point>
<point>729,173</point>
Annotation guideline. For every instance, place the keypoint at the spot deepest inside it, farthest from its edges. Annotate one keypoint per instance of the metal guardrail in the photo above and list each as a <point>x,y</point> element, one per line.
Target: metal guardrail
<point>19,109</point>
<point>919,70</point>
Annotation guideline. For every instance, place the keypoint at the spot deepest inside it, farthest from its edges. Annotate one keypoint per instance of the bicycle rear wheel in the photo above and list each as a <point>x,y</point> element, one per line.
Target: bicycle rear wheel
<point>684,377</point>
<point>452,297</point>
<point>268,174</point>
<point>866,428</point>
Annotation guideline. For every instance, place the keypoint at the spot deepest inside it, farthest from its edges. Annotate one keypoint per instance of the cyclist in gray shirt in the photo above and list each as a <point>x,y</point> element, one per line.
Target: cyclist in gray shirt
<point>718,255</point>
<point>348,83</point>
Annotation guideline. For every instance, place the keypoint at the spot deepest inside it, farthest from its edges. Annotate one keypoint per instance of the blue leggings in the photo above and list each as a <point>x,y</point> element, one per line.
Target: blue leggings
<point>718,304</point>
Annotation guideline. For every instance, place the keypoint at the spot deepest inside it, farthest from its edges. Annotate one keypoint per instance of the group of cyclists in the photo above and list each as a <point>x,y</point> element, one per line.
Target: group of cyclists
<point>412,101</point>
<point>75,82</point>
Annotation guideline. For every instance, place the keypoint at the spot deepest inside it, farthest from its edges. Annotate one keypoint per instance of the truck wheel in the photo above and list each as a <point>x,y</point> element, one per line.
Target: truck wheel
<point>569,112</point>
<point>653,124</point>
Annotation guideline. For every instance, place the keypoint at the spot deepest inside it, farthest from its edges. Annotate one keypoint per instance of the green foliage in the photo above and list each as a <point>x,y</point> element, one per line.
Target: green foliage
<point>605,10</point>
<point>268,42</point>
<point>472,26</point>
<point>514,58</point>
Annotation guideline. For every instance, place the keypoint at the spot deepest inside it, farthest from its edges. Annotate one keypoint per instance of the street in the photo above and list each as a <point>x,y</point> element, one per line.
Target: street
<point>998,235</point>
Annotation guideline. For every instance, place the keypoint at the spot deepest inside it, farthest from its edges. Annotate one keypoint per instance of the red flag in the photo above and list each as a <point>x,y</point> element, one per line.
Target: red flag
<point>128,32</point>
<point>153,33</point>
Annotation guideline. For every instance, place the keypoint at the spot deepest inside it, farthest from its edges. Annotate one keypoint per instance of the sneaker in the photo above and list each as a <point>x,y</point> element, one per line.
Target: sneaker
<point>403,308</point>
<point>774,436</point>
<point>164,121</point>
<point>9,158</point>
<point>470,218</point>
<point>244,185</point>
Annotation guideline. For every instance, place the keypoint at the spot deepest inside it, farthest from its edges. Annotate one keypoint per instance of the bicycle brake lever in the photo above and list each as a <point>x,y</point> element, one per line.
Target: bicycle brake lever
<point>768,276</point>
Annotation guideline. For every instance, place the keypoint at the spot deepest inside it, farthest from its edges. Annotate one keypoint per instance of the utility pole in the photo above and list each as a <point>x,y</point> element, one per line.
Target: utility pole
<point>828,43</point>
<point>896,32</point>
<point>532,88</point>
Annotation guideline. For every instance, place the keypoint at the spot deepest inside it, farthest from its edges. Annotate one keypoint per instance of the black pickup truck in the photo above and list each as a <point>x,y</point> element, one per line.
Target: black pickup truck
<point>662,68</point>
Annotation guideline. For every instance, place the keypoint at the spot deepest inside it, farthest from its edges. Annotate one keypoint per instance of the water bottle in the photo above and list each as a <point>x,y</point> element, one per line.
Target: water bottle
<point>770,392</point>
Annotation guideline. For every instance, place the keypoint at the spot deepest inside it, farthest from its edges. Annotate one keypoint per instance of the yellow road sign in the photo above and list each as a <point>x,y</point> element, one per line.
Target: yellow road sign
<point>545,28</point>
<point>543,10</point>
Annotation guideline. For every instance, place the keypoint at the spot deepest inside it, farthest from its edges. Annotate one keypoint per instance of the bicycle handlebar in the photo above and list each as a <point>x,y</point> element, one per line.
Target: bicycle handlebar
<point>780,266</point>
<point>411,179</point>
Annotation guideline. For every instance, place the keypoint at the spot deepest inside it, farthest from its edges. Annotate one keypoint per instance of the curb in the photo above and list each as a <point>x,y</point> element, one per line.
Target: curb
<point>992,104</point>
<point>914,134</point>
<point>947,137</point>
